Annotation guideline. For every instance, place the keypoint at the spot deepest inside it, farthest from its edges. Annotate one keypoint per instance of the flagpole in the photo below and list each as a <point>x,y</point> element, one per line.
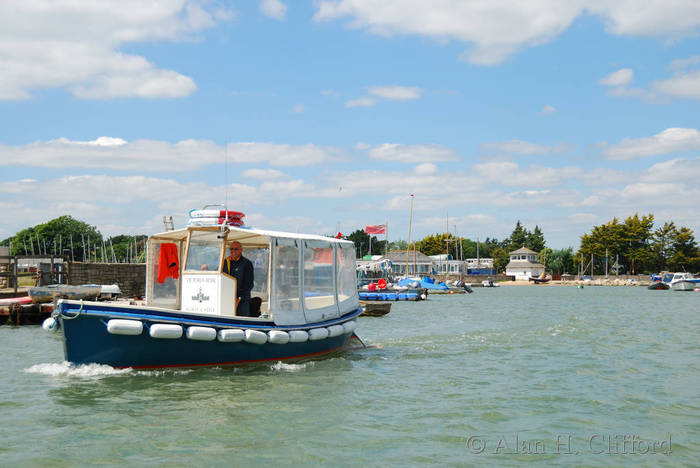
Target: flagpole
<point>410,221</point>
<point>386,239</point>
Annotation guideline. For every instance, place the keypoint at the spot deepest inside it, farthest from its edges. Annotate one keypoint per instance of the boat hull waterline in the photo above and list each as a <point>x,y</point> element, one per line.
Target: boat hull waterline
<point>87,339</point>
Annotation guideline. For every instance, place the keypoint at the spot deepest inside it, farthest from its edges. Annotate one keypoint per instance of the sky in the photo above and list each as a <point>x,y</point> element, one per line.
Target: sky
<point>324,116</point>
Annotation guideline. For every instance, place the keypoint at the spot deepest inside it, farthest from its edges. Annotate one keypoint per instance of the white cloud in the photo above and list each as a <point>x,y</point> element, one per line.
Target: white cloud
<point>96,198</point>
<point>548,110</point>
<point>396,93</point>
<point>386,93</point>
<point>682,85</point>
<point>499,28</point>
<point>585,219</point>
<point>656,18</point>
<point>622,77</point>
<point>522,147</point>
<point>412,153</point>
<point>680,193</point>
<point>273,8</point>
<point>426,169</point>
<point>263,174</point>
<point>282,155</point>
<point>671,140</point>
<point>361,102</point>
<point>496,29</point>
<point>681,64</point>
<point>298,109</point>
<point>159,156</point>
<point>508,173</point>
<point>674,170</point>
<point>75,45</point>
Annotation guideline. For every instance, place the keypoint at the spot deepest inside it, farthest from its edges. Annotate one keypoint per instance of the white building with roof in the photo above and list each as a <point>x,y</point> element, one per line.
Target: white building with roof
<point>523,264</point>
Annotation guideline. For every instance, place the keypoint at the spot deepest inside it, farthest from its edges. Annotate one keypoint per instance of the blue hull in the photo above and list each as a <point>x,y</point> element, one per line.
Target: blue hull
<point>86,339</point>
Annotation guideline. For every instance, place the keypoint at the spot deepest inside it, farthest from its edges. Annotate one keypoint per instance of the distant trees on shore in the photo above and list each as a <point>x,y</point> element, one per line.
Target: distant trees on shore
<point>638,248</point>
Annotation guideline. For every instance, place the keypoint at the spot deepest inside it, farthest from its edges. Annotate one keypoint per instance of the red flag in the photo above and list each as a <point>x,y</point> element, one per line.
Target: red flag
<point>339,235</point>
<point>380,229</point>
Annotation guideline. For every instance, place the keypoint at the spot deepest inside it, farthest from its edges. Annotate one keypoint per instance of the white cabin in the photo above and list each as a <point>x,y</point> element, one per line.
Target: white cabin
<point>299,279</point>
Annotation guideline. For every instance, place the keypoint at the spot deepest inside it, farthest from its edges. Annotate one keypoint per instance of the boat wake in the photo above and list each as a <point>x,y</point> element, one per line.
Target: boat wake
<point>67,369</point>
<point>285,367</point>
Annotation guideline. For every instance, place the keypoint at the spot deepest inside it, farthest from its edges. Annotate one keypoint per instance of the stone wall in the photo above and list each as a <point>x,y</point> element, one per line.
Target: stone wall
<point>131,277</point>
<point>4,280</point>
<point>4,267</point>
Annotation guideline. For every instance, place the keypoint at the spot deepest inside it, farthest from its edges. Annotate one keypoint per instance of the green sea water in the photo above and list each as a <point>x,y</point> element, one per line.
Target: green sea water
<point>510,376</point>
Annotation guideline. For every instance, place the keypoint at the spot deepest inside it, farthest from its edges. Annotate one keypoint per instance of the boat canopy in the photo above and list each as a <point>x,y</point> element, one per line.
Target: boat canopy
<point>298,278</point>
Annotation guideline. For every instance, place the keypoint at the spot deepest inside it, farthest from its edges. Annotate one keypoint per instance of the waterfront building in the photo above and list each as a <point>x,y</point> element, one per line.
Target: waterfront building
<point>523,264</point>
<point>419,264</point>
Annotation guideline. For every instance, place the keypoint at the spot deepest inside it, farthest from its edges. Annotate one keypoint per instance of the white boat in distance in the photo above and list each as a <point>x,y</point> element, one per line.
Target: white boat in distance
<point>684,282</point>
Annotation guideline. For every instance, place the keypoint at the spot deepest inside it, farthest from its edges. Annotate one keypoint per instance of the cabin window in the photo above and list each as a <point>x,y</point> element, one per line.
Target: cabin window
<point>286,275</point>
<point>319,291</point>
<point>347,287</point>
<point>164,279</point>
<point>260,260</point>
<point>204,252</point>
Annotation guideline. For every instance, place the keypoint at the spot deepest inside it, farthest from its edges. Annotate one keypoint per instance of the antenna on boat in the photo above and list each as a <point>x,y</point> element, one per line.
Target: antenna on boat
<point>222,228</point>
<point>226,178</point>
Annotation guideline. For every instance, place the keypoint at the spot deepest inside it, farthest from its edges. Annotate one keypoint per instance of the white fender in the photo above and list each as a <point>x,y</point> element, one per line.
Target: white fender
<point>335,330</point>
<point>201,333</point>
<point>255,337</point>
<point>124,327</point>
<point>165,330</point>
<point>50,325</point>
<point>349,326</point>
<point>298,336</point>
<point>318,334</point>
<point>231,335</point>
<point>278,336</point>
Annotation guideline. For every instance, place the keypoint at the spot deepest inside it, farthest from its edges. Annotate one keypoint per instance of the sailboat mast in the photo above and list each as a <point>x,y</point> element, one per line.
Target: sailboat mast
<point>410,221</point>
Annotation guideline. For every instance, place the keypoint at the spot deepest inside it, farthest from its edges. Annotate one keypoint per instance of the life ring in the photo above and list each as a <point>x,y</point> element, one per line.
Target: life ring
<point>216,214</point>
<point>381,283</point>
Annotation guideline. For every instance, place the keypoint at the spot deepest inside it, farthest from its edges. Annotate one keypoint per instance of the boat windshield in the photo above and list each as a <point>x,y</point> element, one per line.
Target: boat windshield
<point>204,251</point>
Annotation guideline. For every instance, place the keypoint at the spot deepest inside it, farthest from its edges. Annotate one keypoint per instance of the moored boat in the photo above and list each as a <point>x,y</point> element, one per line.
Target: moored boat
<point>49,292</point>
<point>375,309</point>
<point>659,285</point>
<point>541,279</point>
<point>488,283</point>
<point>304,303</point>
<point>683,281</point>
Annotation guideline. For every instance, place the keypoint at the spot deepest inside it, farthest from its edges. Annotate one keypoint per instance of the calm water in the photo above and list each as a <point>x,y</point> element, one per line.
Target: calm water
<point>442,380</point>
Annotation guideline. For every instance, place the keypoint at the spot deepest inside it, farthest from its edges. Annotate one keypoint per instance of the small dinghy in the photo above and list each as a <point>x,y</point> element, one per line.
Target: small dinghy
<point>67,291</point>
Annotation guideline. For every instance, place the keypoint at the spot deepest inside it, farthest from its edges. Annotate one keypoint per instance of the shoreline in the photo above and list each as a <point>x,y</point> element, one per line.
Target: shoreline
<point>594,282</point>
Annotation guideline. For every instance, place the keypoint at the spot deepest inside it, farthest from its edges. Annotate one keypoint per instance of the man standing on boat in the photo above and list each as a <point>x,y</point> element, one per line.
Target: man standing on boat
<point>241,268</point>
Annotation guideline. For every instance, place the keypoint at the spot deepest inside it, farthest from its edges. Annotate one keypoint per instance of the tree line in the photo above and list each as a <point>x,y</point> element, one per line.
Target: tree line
<point>637,247</point>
